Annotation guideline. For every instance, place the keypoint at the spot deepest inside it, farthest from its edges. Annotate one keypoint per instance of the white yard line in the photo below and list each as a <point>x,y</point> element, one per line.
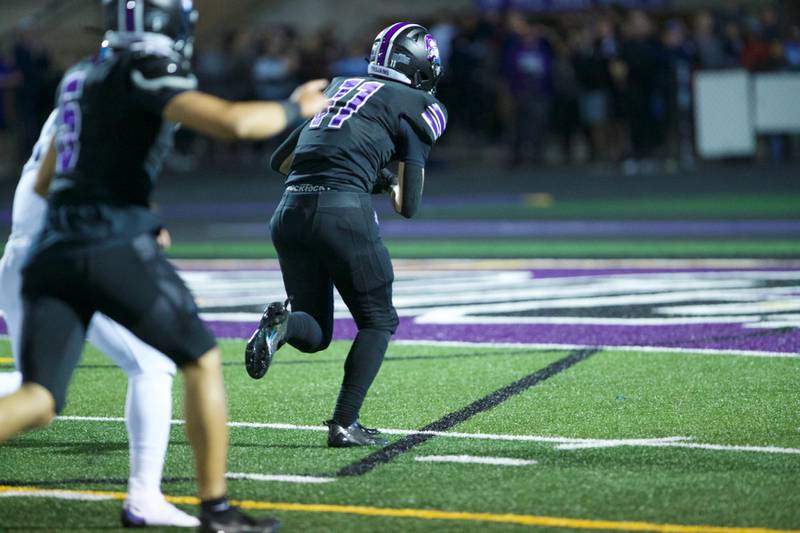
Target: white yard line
<point>279,477</point>
<point>474,459</point>
<point>564,443</point>
<point>57,494</point>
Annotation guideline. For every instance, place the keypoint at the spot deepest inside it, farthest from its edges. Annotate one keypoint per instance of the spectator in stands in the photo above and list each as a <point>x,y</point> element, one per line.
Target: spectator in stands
<point>643,61</point>
<point>710,46</point>
<point>733,43</point>
<point>469,84</point>
<point>681,60</point>
<point>218,68</point>
<point>594,83</point>
<point>528,72</point>
<point>791,48</point>
<point>316,54</point>
<point>9,79</point>
<point>353,62</point>
<point>33,64</point>
<point>276,63</point>
<point>756,55</point>
<point>566,116</point>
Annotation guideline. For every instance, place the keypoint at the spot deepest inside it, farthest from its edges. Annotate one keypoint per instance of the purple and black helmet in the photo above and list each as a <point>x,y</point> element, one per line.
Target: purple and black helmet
<point>154,22</point>
<point>407,53</point>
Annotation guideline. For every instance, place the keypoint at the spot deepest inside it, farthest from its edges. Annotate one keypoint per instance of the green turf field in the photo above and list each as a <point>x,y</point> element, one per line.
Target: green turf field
<point>695,206</point>
<point>605,435</point>
<point>574,248</point>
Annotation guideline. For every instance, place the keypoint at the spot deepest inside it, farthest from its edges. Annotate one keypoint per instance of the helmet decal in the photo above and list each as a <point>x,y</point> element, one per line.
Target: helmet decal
<point>407,53</point>
<point>433,49</point>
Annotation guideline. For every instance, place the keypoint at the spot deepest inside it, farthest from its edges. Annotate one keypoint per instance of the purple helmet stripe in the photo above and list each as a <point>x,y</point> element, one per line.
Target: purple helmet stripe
<point>438,112</point>
<point>129,18</point>
<point>387,36</point>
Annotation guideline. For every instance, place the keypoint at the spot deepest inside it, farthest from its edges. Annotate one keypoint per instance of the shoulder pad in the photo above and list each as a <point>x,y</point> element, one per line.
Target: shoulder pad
<point>156,72</point>
<point>430,119</point>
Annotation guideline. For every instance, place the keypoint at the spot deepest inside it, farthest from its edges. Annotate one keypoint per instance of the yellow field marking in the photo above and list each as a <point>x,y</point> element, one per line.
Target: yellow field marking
<point>431,514</point>
<point>6,359</point>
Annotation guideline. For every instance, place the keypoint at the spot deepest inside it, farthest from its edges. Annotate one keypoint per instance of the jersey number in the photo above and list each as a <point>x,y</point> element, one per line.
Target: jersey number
<point>358,90</point>
<point>69,122</point>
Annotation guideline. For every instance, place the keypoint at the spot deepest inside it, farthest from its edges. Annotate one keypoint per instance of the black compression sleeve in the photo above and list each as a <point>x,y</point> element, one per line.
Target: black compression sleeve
<point>411,148</point>
<point>412,178</point>
<point>413,152</point>
<point>284,151</point>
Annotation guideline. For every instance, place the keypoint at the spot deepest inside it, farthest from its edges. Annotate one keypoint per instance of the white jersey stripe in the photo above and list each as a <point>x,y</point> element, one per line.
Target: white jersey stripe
<point>437,119</point>
<point>431,124</point>
<point>437,111</point>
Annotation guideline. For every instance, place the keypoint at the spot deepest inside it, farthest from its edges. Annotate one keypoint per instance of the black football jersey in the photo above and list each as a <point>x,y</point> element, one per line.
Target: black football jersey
<point>111,139</point>
<point>345,146</point>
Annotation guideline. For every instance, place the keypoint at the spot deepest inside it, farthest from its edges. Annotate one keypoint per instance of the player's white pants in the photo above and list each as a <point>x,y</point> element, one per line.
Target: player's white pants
<point>148,408</point>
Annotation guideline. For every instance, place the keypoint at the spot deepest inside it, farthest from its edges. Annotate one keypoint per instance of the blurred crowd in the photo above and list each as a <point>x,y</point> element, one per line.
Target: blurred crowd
<point>607,86</point>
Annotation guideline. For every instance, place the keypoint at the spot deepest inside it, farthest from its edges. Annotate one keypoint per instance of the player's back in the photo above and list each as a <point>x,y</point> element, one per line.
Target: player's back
<point>345,146</point>
<point>111,141</point>
<point>111,138</point>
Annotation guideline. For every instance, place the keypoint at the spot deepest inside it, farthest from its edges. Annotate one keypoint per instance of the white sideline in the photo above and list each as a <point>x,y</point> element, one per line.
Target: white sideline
<point>474,459</point>
<point>564,443</point>
<point>622,348</point>
<point>57,494</point>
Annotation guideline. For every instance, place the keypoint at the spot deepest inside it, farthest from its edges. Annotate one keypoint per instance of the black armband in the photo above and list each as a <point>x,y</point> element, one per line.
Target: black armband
<point>292,111</point>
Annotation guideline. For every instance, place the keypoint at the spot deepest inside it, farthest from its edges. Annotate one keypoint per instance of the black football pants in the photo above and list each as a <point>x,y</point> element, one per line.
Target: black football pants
<point>128,280</point>
<point>331,239</point>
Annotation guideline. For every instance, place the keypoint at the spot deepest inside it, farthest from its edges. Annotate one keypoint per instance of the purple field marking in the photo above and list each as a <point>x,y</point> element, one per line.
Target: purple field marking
<point>726,336</point>
<point>543,273</point>
<point>701,336</point>
<point>586,228</point>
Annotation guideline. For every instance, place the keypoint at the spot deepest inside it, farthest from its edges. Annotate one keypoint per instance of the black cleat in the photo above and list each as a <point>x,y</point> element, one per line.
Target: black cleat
<point>353,435</point>
<point>235,521</point>
<point>267,339</point>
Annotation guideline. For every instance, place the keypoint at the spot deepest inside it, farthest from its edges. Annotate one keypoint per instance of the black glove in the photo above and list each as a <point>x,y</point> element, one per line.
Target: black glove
<point>386,179</point>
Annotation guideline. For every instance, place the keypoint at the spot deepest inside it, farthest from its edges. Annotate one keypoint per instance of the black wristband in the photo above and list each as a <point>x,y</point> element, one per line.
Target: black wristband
<point>292,111</point>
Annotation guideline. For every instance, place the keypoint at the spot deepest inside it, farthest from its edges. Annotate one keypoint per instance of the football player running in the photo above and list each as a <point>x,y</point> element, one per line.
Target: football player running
<point>98,252</point>
<point>148,407</point>
<point>325,229</point>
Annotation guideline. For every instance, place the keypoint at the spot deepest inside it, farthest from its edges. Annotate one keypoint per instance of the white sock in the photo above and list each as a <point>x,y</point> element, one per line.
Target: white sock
<point>148,412</point>
<point>10,382</point>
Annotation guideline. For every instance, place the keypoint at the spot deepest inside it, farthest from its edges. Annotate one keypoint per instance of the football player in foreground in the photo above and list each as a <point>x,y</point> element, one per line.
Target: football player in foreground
<point>325,229</point>
<point>98,249</point>
<point>148,408</point>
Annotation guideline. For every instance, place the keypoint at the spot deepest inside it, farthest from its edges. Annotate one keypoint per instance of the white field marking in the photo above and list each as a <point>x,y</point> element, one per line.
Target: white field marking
<point>773,324</point>
<point>764,306</point>
<point>57,494</point>
<point>437,317</point>
<point>622,348</point>
<point>277,477</point>
<point>621,442</point>
<point>558,346</point>
<point>461,314</point>
<point>511,264</point>
<point>501,461</point>
<point>659,442</point>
